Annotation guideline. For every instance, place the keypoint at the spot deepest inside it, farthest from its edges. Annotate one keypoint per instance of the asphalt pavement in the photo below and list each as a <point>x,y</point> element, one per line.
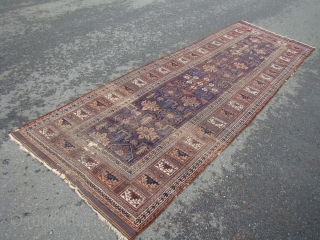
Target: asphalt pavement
<point>265,185</point>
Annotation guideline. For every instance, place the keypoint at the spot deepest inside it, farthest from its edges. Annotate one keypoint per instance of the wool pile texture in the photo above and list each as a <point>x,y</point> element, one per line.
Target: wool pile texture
<point>130,146</point>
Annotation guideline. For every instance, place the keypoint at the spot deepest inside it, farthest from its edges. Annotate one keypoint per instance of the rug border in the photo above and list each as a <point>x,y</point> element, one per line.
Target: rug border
<point>130,72</point>
<point>71,182</point>
<point>150,63</point>
<point>55,169</point>
<point>14,136</point>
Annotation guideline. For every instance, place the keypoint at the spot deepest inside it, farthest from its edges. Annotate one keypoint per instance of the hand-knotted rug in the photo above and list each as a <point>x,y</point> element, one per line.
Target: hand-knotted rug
<point>130,146</point>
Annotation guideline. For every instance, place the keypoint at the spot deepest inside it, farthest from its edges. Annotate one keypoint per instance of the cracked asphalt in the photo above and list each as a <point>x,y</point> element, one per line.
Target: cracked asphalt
<point>265,185</point>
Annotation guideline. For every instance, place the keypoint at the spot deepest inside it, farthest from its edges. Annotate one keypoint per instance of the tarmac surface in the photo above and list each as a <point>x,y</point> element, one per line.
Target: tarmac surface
<point>265,185</point>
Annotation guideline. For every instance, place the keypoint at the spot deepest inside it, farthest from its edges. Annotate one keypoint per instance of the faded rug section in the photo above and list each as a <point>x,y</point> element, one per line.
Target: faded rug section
<point>130,146</point>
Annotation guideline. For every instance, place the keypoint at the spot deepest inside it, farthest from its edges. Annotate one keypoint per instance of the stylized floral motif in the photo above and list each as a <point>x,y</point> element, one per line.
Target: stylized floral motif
<point>47,132</point>
<point>88,162</point>
<point>112,97</point>
<point>142,149</point>
<point>147,133</point>
<point>97,104</point>
<point>149,182</point>
<point>126,119</point>
<point>133,196</point>
<point>179,155</point>
<point>149,105</point>
<point>193,143</point>
<point>223,84</point>
<point>204,131</point>
<point>166,167</point>
<point>169,91</point>
<point>260,51</point>
<point>187,76</point>
<point>169,117</point>
<point>240,65</point>
<point>80,113</point>
<point>236,52</point>
<point>190,101</point>
<point>112,129</point>
<point>101,137</point>
<point>135,143</point>
<point>255,40</point>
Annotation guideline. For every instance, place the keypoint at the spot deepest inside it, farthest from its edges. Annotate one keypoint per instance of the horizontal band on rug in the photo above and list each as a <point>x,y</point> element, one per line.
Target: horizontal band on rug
<point>130,146</point>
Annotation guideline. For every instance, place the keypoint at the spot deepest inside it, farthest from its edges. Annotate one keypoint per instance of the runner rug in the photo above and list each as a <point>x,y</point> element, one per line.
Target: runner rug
<point>130,146</point>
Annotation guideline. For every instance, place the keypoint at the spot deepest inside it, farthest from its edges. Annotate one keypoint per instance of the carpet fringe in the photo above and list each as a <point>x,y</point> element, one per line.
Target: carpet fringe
<point>120,236</point>
<point>286,38</point>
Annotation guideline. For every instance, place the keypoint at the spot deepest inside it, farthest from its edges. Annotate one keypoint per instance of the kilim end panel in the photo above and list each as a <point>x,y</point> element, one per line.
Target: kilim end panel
<point>130,146</point>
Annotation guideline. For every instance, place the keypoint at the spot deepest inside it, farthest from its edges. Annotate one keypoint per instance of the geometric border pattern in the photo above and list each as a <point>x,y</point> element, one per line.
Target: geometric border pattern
<point>130,146</point>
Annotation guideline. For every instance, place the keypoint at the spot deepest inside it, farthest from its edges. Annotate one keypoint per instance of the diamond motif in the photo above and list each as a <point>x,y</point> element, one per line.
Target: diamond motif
<point>149,182</point>
<point>109,179</point>
<point>88,162</point>
<point>67,145</point>
<point>112,97</point>
<point>133,197</point>
<point>63,123</point>
<point>193,143</point>
<point>98,104</point>
<point>180,155</point>
<point>47,132</point>
<point>132,152</point>
<point>166,167</point>
<point>82,114</point>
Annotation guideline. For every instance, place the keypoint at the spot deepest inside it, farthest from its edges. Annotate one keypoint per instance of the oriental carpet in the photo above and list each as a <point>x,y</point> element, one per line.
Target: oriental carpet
<point>130,146</point>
